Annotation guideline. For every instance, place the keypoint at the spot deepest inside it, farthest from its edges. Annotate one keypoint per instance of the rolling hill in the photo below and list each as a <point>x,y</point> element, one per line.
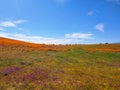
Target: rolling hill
<point>29,66</point>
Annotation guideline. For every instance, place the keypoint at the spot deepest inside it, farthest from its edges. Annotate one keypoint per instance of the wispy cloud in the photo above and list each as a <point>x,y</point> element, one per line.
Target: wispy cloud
<point>7,24</point>
<point>47,40</point>
<point>12,24</point>
<point>19,21</point>
<point>79,36</point>
<point>90,13</point>
<point>93,12</point>
<point>100,27</point>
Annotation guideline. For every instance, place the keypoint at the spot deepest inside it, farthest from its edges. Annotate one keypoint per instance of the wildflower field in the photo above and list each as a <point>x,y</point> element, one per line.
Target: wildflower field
<point>28,66</point>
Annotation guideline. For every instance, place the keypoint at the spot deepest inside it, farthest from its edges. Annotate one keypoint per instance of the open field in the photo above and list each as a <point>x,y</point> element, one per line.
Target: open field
<point>27,66</point>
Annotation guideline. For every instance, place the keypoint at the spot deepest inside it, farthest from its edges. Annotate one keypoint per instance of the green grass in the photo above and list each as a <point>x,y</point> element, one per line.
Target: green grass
<point>75,69</point>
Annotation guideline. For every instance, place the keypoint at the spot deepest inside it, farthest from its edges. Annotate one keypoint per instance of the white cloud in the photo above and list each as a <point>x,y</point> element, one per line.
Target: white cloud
<point>12,24</point>
<point>100,27</point>
<point>7,24</point>
<point>45,40</point>
<point>79,36</point>
<point>19,21</point>
<point>90,13</point>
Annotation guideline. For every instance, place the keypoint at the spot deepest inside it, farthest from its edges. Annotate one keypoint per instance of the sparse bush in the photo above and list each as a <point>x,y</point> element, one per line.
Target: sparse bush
<point>22,62</point>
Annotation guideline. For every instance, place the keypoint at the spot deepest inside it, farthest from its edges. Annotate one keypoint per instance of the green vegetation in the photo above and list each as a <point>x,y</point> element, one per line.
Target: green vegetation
<point>74,69</point>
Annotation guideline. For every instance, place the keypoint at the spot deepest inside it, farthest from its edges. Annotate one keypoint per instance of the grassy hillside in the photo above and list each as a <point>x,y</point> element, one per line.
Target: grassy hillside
<point>28,66</point>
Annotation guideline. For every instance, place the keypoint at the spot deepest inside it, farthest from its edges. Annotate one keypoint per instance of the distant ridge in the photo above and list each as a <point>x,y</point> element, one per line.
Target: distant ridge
<point>13,42</point>
<point>116,43</point>
<point>6,42</point>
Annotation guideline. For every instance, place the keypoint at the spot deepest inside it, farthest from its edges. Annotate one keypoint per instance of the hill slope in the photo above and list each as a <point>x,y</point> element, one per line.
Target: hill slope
<point>6,42</point>
<point>12,42</point>
<point>32,46</point>
<point>28,66</point>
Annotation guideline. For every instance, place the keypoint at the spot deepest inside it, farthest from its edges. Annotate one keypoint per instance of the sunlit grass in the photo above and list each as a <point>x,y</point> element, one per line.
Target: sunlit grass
<point>76,67</point>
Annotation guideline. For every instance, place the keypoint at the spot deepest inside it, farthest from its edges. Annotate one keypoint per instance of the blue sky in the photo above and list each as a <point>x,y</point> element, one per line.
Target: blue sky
<point>61,21</point>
